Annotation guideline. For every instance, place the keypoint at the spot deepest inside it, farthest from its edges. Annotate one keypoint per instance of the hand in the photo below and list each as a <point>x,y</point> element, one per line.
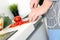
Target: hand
<point>38,11</point>
<point>33,3</point>
<point>35,13</point>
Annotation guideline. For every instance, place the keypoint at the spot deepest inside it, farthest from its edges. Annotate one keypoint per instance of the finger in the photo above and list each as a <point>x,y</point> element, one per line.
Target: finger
<point>31,5</point>
<point>36,4</point>
<point>35,18</point>
<point>30,17</point>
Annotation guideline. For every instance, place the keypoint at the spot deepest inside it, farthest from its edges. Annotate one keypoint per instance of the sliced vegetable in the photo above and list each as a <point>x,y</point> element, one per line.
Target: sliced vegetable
<point>12,25</point>
<point>17,24</point>
<point>18,21</point>
<point>21,22</point>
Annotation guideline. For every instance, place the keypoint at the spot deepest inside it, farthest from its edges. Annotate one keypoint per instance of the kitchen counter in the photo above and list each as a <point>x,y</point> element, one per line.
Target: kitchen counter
<point>37,34</point>
<point>22,32</point>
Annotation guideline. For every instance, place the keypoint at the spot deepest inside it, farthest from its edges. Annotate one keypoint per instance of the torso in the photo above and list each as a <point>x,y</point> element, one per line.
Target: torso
<point>53,15</point>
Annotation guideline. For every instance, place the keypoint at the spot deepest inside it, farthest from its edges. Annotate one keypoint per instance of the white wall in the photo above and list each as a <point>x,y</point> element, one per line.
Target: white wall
<point>4,8</point>
<point>12,1</point>
<point>23,6</point>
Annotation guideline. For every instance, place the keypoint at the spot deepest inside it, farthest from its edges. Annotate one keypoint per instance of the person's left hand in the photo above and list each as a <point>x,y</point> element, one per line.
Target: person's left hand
<point>34,14</point>
<point>34,3</point>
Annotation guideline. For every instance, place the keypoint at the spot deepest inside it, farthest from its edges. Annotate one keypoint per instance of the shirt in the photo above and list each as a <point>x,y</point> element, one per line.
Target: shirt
<point>53,15</point>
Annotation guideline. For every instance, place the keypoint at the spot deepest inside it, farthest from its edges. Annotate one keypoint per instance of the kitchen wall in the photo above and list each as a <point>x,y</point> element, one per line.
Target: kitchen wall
<point>23,6</point>
<point>12,1</point>
<point>4,8</point>
<point>23,9</point>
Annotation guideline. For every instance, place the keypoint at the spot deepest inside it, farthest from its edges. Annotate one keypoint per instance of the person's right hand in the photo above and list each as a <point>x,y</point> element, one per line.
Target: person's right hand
<point>33,3</point>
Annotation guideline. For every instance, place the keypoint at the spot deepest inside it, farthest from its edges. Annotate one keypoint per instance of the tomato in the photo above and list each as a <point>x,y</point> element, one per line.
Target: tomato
<point>17,18</point>
<point>23,22</point>
<point>20,22</point>
<point>12,25</point>
<point>16,24</point>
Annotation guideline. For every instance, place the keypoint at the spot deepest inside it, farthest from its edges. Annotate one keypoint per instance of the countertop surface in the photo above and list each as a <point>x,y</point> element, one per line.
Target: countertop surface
<point>37,27</point>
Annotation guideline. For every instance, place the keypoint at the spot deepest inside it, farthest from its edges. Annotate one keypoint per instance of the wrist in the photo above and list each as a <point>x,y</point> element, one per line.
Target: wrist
<point>45,6</point>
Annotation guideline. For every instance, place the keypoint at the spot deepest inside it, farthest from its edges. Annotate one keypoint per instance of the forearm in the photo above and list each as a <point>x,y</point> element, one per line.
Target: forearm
<point>45,6</point>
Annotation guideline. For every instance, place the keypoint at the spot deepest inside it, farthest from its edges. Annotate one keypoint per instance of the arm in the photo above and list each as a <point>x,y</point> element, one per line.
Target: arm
<point>45,6</point>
